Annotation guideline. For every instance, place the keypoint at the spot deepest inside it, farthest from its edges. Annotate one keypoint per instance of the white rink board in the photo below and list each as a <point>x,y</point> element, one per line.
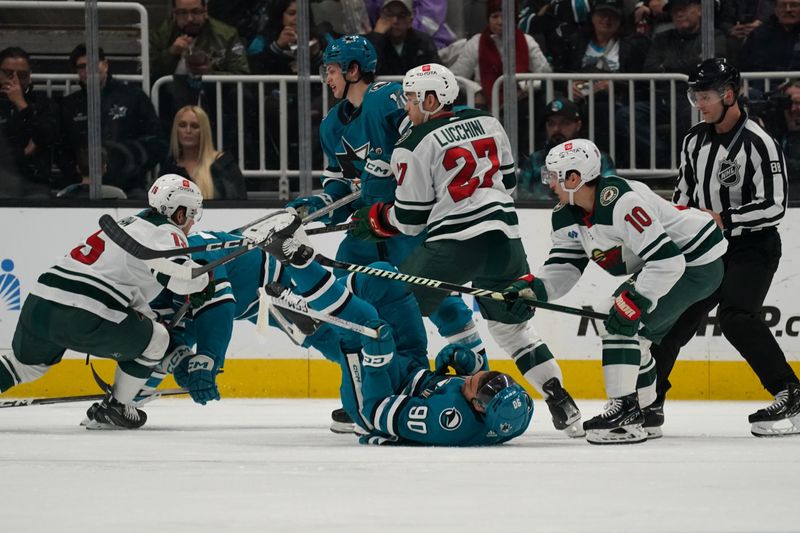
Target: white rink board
<point>34,238</point>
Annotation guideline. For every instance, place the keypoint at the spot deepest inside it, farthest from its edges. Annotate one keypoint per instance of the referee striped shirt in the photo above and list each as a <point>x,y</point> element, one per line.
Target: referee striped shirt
<point>740,174</point>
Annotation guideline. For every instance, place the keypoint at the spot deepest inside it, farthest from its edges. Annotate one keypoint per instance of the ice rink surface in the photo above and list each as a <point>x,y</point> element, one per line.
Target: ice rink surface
<point>273,466</point>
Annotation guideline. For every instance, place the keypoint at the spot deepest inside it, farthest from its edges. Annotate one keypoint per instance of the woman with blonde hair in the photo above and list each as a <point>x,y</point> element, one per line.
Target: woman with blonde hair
<point>192,155</point>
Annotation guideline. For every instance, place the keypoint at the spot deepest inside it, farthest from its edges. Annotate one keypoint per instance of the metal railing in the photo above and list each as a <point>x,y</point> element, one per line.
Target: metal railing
<point>144,27</point>
<point>283,172</point>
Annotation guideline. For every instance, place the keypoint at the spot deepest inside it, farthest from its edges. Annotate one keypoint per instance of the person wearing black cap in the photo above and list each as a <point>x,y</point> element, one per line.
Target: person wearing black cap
<point>733,169</point>
<point>562,123</point>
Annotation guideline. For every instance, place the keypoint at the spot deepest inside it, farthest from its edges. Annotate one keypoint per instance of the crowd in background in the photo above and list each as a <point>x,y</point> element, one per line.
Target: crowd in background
<point>43,141</point>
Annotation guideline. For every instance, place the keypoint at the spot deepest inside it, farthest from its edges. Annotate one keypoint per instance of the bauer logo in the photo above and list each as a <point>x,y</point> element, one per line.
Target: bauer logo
<point>9,287</point>
<point>450,419</point>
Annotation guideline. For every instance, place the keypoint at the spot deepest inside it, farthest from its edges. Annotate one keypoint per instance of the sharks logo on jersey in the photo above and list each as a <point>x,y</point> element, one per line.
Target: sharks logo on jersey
<point>347,159</point>
<point>450,419</point>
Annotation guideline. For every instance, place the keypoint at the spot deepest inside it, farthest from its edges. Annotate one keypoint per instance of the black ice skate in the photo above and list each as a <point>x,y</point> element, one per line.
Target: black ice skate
<point>620,423</point>
<point>283,237</point>
<point>781,418</point>
<point>654,418</point>
<point>111,414</point>
<point>341,422</point>
<point>565,413</point>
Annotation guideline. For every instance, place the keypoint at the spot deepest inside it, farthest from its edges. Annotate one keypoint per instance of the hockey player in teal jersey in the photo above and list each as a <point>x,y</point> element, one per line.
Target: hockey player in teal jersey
<point>387,386</point>
<point>358,136</point>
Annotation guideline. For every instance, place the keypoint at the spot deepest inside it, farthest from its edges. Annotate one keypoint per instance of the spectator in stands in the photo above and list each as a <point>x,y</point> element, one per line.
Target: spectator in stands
<point>192,43</point>
<point>131,132</point>
<point>562,123</point>
<point>192,155</point>
<point>738,19</point>
<point>82,189</point>
<point>249,17</point>
<point>429,17</point>
<point>274,50</point>
<point>678,50</point>
<point>790,138</point>
<point>29,123</point>
<point>400,47</point>
<point>551,22</point>
<point>650,17</point>
<point>775,45</point>
<point>602,47</point>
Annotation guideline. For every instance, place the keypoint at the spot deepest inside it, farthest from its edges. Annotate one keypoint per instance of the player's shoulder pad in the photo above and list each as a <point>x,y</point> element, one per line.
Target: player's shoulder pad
<point>609,191</point>
<point>563,216</point>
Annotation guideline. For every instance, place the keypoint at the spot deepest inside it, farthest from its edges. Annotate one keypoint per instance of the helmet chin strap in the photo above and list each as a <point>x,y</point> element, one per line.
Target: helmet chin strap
<point>725,108</point>
<point>427,114</point>
<point>571,192</point>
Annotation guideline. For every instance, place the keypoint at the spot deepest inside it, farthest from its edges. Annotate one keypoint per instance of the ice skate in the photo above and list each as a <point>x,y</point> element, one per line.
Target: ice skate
<point>620,423</point>
<point>565,413</point>
<point>781,418</point>
<point>341,422</point>
<point>654,419</point>
<point>111,414</point>
<point>283,237</point>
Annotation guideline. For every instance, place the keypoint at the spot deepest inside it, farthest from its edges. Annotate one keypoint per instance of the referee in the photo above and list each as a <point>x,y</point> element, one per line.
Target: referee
<point>733,169</point>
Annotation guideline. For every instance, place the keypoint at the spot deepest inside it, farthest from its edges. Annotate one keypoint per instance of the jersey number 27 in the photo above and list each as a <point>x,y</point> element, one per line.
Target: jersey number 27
<point>465,182</point>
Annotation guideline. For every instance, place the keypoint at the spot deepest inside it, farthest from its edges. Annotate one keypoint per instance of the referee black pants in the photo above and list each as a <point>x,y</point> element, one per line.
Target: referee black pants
<point>750,264</point>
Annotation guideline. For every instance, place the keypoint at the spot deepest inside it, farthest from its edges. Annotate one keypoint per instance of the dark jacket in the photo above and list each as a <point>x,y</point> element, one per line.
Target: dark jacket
<point>675,52</point>
<point>772,47</point>
<point>225,173</point>
<point>131,134</point>
<point>38,123</point>
<point>418,49</point>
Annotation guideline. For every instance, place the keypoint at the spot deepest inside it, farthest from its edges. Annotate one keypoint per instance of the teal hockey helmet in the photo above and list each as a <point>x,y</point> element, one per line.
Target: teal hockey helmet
<point>351,48</point>
<point>508,407</point>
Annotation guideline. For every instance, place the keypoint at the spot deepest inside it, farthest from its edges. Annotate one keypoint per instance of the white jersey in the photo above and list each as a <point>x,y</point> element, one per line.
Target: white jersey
<point>455,175</point>
<point>630,230</point>
<point>100,277</point>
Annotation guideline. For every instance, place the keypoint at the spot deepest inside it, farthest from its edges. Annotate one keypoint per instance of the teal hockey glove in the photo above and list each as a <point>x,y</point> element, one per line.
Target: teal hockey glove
<point>378,352</point>
<point>199,375</point>
<point>461,359</point>
<point>625,315</point>
<point>306,205</point>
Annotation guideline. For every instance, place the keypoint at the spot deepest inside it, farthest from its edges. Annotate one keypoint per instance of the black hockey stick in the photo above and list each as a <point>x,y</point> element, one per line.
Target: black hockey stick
<point>452,287</point>
<point>26,402</point>
<point>331,229</point>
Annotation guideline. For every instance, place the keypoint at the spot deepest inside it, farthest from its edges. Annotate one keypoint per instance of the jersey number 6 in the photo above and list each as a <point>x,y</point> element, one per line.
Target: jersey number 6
<point>464,184</point>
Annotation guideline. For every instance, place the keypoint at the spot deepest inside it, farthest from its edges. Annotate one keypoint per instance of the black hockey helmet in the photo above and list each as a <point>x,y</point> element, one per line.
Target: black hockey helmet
<point>715,73</point>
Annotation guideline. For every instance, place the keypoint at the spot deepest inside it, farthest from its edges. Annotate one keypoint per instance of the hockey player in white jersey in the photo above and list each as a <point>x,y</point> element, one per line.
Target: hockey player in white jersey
<point>455,176</point>
<point>674,254</point>
<point>94,300</point>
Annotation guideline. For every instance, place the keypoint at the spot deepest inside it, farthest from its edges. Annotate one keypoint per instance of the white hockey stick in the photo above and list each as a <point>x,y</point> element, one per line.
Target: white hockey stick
<point>27,402</point>
<point>158,259</point>
<point>298,305</point>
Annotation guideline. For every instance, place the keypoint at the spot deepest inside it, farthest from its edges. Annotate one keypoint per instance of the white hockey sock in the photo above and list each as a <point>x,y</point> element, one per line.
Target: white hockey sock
<point>126,387</point>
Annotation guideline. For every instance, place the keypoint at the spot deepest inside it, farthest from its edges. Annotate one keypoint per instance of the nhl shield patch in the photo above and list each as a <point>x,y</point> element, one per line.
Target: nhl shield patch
<point>729,173</point>
<point>450,419</point>
<point>608,195</point>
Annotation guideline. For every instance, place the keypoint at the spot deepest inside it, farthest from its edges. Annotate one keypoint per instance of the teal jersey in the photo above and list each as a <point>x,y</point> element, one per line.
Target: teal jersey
<point>358,143</point>
<point>429,410</point>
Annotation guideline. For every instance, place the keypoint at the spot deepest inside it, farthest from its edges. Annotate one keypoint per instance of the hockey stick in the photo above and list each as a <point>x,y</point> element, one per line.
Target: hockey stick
<point>452,287</point>
<point>115,232</point>
<point>298,305</point>
<point>331,229</point>
<point>26,402</point>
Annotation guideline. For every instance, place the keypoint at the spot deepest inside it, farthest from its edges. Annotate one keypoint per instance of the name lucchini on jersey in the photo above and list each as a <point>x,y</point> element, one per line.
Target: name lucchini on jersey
<point>461,131</point>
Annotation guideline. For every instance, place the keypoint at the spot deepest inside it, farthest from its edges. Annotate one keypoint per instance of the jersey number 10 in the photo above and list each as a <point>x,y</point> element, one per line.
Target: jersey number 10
<point>465,183</point>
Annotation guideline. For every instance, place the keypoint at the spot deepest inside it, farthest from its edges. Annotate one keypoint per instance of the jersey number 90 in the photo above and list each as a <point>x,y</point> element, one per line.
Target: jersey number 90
<point>465,183</point>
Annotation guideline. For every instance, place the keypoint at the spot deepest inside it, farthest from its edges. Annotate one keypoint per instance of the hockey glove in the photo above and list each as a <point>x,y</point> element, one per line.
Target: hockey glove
<point>197,299</point>
<point>371,223</point>
<point>328,342</point>
<point>306,205</point>
<point>199,375</point>
<point>528,287</point>
<point>461,359</point>
<point>625,315</point>
<point>378,352</point>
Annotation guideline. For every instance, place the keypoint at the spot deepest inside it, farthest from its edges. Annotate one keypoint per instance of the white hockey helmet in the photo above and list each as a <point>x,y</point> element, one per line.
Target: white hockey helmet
<point>577,155</point>
<point>171,191</point>
<point>431,77</point>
